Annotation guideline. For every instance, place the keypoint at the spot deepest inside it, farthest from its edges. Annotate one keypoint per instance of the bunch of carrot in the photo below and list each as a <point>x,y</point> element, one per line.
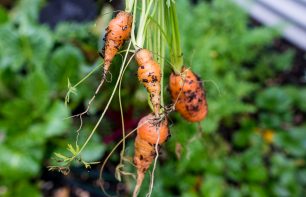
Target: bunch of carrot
<point>186,89</point>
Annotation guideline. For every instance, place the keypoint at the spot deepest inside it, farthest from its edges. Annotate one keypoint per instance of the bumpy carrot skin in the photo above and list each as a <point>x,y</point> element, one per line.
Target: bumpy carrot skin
<point>117,32</point>
<point>147,136</point>
<point>149,74</point>
<point>150,130</point>
<point>188,95</point>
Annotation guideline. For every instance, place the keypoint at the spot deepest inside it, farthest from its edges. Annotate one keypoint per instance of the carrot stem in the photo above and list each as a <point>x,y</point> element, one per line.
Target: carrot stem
<point>129,5</point>
<point>145,11</point>
<point>176,50</point>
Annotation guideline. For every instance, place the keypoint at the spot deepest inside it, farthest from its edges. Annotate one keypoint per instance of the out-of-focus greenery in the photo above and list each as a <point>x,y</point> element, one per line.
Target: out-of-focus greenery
<point>35,64</point>
<point>251,144</point>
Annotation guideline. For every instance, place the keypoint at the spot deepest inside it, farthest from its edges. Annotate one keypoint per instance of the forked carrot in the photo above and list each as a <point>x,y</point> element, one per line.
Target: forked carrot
<point>149,134</point>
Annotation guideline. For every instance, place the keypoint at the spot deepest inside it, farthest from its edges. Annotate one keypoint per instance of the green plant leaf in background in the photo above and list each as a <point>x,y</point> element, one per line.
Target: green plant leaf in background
<point>293,141</point>
<point>10,56</point>
<point>65,63</point>
<point>27,11</point>
<point>22,188</point>
<point>19,163</point>
<point>27,44</point>
<point>3,15</point>
<point>56,120</point>
<point>35,90</point>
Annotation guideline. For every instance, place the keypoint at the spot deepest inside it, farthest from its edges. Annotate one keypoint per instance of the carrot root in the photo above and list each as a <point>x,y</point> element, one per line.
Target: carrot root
<point>149,74</point>
<point>117,32</point>
<point>150,135</point>
<point>140,177</point>
<point>188,95</point>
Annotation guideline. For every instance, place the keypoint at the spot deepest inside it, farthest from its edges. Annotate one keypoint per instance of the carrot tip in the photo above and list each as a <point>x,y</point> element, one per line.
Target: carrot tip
<point>140,177</point>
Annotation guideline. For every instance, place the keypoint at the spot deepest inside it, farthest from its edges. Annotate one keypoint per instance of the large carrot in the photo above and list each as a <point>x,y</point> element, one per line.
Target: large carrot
<point>188,95</point>
<point>117,32</point>
<point>149,74</point>
<point>149,133</point>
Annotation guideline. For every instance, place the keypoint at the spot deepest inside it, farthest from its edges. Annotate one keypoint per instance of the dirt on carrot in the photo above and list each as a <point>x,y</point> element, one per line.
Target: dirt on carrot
<point>188,94</point>
<point>117,32</point>
<point>149,74</point>
<point>150,133</point>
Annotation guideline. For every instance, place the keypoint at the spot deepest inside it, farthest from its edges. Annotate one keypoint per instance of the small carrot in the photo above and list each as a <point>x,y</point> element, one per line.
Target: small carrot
<point>188,95</point>
<point>117,32</point>
<point>149,74</point>
<point>149,133</point>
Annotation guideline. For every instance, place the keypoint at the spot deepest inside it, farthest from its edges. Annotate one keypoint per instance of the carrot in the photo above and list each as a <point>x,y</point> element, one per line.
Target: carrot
<point>188,95</point>
<point>149,74</point>
<point>149,133</point>
<point>117,32</point>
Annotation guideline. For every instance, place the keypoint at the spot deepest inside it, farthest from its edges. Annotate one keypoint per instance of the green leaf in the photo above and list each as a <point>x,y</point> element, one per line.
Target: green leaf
<point>27,44</point>
<point>293,141</point>
<point>234,168</point>
<point>35,89</point>
<point>27,190</point>
<point>55,118</point>
<point>256,173</point>
<point>19,163</point>
<point>242,138</point>
<point>31,137</point>
<point>274,99</point>
<point>65,63</point>
<point>21,188</point>
<point>301,99</point>
<point>61,156</point>
<point>3,15</point>
<point>233,192</point>
<point>40,43</point>
<point>11,57</point>
<point>26,11</point>
<point>257,191</point>
<point>71,149</point>
<point>94,149</point>
<point>213,186</point>
<point>12,111</point>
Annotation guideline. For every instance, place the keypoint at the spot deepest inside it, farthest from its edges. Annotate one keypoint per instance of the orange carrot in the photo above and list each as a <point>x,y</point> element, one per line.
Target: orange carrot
<point>188,95</point>
<point>117,32</point>
<point>149,133</point>
<point>149,74</point>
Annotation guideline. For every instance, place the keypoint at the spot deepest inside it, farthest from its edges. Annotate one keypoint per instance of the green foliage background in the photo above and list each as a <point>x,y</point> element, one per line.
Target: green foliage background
<point>249,145</point>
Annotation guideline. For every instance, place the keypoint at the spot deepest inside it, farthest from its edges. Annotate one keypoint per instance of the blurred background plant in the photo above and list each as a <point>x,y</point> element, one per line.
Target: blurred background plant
<point>253,142</point>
